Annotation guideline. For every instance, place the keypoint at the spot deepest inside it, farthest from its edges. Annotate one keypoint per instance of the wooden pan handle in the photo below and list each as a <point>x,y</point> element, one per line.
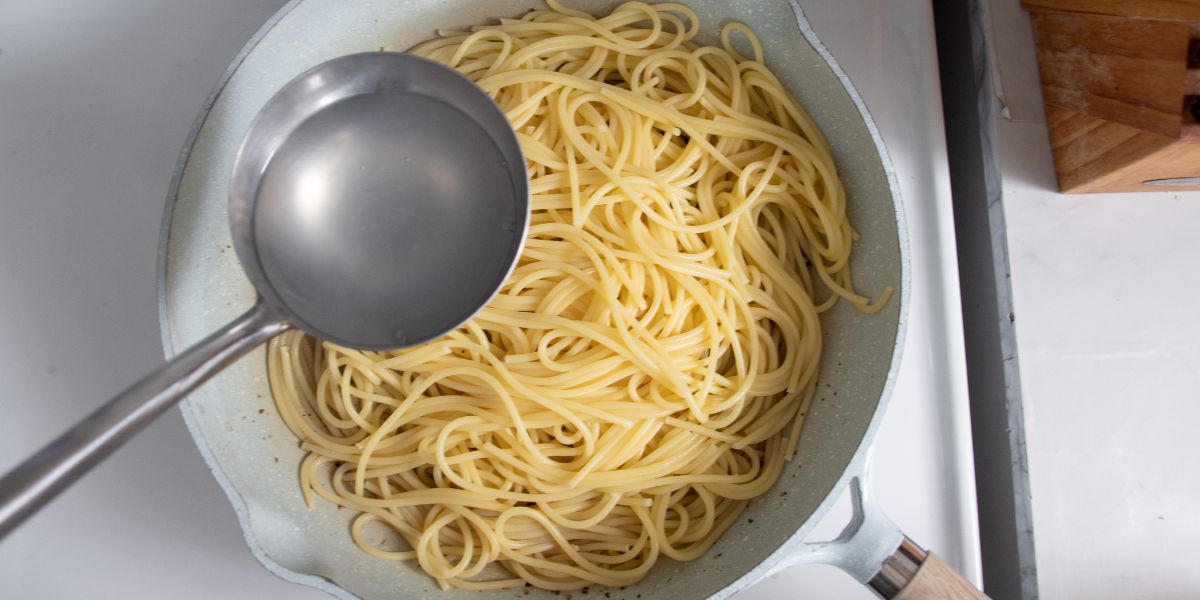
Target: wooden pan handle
<point>911,573</point>
<point>935,580</point>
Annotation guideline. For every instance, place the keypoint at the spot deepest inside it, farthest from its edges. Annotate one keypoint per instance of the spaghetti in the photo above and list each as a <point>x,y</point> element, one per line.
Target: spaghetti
<point>643,373</point>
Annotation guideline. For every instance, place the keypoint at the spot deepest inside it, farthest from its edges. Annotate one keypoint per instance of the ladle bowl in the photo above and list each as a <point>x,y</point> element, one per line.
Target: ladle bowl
<point>378,201</point>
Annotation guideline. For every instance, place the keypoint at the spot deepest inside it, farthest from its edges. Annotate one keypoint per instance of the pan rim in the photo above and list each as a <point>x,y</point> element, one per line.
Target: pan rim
<point>855,467</point>
<point>161,276</point>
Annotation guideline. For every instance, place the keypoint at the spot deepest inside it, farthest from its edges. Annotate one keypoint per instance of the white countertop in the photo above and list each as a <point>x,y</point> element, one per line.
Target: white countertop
<point>96,100</point>
<point>1104,288</point>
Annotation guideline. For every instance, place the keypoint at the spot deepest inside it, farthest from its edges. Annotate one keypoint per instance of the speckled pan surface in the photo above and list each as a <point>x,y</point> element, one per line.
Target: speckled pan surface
<point>255,458</point>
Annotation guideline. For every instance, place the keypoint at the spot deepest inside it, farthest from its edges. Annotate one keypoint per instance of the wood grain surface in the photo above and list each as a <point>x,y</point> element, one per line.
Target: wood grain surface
<point>1121,85</point>
<point>1094,155</point>
<point>935,580</point>
<point>1175,10</point>
<point>1129,71</point>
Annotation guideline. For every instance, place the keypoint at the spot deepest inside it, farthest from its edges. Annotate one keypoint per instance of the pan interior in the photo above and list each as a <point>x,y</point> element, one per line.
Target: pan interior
<point>256,458</point>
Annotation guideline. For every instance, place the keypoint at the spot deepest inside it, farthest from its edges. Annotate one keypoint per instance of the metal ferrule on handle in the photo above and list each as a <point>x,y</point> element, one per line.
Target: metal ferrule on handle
<point>41,477</point>
<point>898,569</point>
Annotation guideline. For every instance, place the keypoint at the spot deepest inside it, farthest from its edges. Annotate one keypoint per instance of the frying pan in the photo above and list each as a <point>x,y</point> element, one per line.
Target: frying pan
<point>255,458</point>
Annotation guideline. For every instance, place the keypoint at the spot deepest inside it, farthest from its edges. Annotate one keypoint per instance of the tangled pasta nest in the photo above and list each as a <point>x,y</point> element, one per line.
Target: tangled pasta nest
<point>644,371</point>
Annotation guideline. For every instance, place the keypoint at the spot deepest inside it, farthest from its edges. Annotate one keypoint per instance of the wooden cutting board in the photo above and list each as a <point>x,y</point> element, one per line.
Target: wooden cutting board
<point>1121,83</point>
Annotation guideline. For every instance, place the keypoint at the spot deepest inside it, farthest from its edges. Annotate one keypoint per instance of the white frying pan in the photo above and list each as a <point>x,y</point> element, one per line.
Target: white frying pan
<point>255,457</point>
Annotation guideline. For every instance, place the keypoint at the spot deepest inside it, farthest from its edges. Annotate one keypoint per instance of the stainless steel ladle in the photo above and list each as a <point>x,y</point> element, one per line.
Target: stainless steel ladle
<point>378,201</point>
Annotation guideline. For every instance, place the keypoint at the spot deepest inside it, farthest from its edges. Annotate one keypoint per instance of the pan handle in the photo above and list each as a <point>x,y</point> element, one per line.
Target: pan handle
<point>924,577</point>
<point>875,552</point>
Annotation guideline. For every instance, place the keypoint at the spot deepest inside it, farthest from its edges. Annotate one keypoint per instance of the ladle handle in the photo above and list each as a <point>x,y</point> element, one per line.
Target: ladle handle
<point>34,482</point>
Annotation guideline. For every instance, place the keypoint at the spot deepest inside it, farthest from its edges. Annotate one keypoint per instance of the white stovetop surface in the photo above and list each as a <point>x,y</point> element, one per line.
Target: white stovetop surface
<point>95,102</point>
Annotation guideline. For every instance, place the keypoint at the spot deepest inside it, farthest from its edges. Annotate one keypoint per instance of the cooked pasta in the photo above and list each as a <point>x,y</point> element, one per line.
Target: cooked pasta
<point>643,373</point>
